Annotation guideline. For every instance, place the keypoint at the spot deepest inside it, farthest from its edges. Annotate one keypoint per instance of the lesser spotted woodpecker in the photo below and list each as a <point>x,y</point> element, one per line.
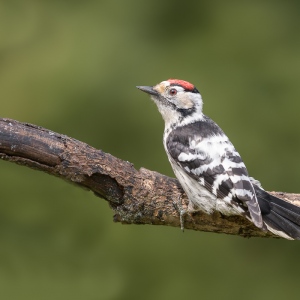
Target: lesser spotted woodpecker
<point>210,170</point>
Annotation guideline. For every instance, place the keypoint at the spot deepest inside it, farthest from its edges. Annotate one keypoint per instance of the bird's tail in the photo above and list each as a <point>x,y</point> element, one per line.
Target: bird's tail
<point>281,217</point>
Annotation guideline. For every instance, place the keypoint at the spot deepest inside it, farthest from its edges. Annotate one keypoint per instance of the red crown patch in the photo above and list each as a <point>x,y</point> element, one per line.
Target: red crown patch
<point>186,85</point>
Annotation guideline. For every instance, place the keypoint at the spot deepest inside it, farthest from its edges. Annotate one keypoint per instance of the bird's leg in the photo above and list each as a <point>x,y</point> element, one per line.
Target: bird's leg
<point>183,212</point>
<point>178,206</point>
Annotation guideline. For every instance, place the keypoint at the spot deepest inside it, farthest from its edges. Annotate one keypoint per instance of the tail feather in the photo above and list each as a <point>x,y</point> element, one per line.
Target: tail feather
<point>286,213</point>
<point>279,224</point>
<point>280,216</point>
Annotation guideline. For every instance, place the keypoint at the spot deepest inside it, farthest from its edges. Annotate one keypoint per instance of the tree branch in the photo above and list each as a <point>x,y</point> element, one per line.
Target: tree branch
<point>135,196</point>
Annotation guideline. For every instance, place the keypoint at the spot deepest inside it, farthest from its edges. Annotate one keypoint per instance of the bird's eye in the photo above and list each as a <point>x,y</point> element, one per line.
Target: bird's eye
<point>172,92</point>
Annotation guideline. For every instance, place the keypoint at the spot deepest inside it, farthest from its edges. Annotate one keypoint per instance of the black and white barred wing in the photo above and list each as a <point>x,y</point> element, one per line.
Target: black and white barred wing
<point>215,164</point>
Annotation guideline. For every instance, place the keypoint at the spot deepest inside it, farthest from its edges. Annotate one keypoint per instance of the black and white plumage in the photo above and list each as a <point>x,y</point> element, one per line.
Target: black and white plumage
<point>209,168</point>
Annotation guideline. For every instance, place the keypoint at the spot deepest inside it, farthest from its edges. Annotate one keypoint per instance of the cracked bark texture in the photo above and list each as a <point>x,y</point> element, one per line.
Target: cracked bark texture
<point>136,196</point>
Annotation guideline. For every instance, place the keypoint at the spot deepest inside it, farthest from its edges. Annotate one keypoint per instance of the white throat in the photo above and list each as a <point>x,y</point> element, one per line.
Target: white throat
<point>174,118</point>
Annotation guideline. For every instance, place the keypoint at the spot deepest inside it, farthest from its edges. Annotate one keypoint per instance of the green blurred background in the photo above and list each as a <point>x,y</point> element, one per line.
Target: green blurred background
<point>72,67</point>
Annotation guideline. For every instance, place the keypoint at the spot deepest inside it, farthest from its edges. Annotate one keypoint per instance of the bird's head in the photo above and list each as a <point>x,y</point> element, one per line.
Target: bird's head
<point>176,100</point>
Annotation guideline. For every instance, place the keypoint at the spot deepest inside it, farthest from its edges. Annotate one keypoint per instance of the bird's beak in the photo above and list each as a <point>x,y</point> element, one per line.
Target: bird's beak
<point>148,89</point>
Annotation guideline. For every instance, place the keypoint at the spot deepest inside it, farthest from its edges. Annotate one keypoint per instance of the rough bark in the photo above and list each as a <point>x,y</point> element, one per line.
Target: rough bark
<point>135,196</point>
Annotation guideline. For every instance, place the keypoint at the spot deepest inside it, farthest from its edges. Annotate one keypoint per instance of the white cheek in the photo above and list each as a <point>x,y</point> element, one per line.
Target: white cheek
<point>182,101</point>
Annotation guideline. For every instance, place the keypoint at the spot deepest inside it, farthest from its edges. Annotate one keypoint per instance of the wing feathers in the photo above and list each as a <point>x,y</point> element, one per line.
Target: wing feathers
<point>210,158</point>
<point>205,154</point>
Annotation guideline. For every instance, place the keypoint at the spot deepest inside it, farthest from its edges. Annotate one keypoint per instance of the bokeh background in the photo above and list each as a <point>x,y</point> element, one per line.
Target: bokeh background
<point>72,67</point>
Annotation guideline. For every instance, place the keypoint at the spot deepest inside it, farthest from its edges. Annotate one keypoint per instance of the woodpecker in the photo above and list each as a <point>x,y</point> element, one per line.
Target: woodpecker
<point>208,167</point>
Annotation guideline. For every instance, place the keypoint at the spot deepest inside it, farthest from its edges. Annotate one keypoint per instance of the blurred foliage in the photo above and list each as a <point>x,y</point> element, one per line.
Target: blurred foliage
<point>72,67</point>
